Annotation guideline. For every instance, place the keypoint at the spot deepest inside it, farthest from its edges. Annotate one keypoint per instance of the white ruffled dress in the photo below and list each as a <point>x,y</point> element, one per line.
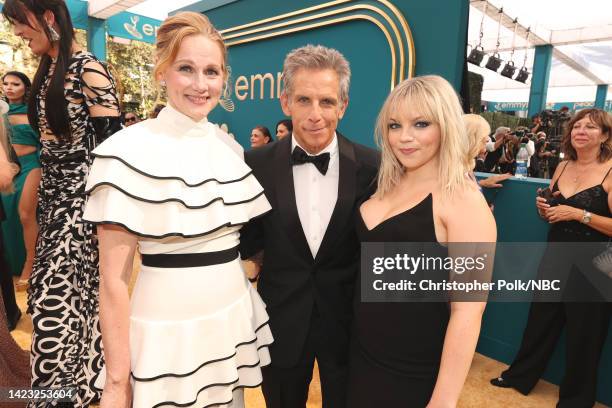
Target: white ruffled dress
<point>198,335</point>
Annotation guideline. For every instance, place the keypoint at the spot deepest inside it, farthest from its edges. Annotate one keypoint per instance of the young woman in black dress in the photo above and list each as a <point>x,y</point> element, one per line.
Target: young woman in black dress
<point>417,354</point>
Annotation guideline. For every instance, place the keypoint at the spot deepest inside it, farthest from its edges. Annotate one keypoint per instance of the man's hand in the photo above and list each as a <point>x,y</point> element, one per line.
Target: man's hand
<point>251,269</point>
<point>252,266</point>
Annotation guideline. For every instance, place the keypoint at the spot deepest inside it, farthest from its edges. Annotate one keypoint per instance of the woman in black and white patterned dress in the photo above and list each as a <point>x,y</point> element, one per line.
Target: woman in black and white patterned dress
<point>73,106</point>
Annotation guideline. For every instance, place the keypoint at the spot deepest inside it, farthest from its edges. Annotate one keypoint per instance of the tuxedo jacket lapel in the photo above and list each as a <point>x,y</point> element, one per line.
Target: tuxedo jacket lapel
<point>347,185</point>
<point>285,196</point>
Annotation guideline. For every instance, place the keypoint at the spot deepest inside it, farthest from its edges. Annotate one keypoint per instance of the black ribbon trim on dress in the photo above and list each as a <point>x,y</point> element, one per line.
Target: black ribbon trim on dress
<point>175,234</point>
<point>190,260</point>
<point>168,200</point>
<point>102,156</point>
<point>157,377</point>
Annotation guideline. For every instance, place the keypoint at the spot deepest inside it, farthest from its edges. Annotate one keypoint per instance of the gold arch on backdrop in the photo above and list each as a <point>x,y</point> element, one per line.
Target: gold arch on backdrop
<point>325,23</point>
<point>331,13</point>
<point>235,39</point>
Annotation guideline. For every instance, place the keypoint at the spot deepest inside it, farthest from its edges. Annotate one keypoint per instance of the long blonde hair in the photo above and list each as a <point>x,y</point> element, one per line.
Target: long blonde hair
<point>477,129</point>
<point>436,101</point>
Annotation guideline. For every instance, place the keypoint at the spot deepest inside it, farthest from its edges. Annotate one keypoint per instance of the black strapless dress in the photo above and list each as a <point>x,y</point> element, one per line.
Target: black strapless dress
<point>396,347</point>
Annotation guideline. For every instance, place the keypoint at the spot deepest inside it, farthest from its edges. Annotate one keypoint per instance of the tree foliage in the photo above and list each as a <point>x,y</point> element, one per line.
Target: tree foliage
<point>15,55</point>
<point>497,119</point>
<point>132,65</point>
<point>475,82</point>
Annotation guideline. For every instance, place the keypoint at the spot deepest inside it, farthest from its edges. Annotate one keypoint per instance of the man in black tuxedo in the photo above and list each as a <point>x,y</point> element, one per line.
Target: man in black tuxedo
<point>314,181</point>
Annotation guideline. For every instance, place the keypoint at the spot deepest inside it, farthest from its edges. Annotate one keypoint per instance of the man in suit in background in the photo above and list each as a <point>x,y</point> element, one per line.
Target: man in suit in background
<point>315,181</point>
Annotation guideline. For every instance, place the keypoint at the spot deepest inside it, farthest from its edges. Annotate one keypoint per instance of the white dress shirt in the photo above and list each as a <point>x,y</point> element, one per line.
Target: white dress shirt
<point>530,146</point>
<point>316,194</point>
<point>490,145</point>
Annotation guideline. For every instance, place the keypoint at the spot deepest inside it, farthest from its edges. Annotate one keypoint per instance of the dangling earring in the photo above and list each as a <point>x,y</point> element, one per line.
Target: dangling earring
<point>54,35</point>
<point>162,83</point>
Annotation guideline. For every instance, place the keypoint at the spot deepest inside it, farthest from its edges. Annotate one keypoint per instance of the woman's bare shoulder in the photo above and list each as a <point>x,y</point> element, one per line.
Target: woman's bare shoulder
<point>467,217</point>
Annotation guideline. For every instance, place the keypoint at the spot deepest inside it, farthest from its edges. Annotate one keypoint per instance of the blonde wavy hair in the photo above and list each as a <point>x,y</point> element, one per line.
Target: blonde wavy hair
<point>174,30</point>
<point>478,130</point>
<point>433,98</point>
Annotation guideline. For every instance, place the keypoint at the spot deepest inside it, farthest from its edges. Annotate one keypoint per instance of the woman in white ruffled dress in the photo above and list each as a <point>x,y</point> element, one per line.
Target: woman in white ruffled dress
<point>195,332</point>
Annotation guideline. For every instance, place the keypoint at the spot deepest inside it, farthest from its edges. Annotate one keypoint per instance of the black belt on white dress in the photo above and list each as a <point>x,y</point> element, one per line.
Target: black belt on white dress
<point>190,260</point>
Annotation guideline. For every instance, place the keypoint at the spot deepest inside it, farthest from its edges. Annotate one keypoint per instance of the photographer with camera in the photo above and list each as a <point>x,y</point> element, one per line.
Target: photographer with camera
<point>537,124</point>
<point>510,149</point>
<point>495,149</point>
<point>507,160</point>
<point>539,161</point>
<point>548,125</point>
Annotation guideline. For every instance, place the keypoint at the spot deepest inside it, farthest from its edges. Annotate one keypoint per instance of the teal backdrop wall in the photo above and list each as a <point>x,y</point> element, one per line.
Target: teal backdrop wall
<point>434,43</point>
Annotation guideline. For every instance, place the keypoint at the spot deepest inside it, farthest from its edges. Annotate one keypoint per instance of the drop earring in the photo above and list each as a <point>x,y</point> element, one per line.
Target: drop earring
<point>162,83</point>
<point>54,34</point>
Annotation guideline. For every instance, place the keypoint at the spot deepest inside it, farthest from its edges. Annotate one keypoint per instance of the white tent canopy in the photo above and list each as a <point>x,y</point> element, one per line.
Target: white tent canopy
<point>559,22</point>
<point>159,9</point>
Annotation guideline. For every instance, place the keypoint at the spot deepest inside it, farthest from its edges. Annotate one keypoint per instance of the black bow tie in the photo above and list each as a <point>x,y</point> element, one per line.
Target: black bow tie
<point>321,161</point>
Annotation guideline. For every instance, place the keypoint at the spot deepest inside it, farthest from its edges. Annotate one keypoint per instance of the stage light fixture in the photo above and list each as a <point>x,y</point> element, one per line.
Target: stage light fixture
<point>522,76</point>
<point>494,62</point>
<point>476,55</point>
<point>509,70</point>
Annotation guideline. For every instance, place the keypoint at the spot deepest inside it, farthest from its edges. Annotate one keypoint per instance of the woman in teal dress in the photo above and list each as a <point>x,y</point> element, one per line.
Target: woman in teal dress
<point>20,227</point>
